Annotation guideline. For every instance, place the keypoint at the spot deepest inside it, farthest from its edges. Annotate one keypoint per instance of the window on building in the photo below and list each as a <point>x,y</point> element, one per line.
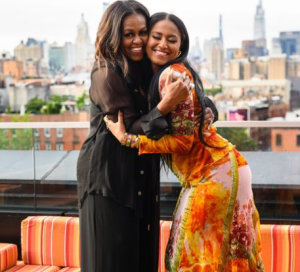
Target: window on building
<point>47,132</point>
<point>48,146</point>
<point>37,146</point>
<point>36,132</point>
<point>298,140</point>
<point>59,132</point>
<point>59,146</point>
<point>278,139</point>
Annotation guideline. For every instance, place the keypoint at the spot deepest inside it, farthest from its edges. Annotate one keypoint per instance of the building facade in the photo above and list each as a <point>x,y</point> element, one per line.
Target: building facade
<point>23,52</point>
<point>290,42</point>
<point>83,44</point>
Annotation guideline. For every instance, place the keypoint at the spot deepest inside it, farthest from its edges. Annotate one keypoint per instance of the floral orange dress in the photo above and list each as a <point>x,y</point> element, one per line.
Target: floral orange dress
<point>215,223</point>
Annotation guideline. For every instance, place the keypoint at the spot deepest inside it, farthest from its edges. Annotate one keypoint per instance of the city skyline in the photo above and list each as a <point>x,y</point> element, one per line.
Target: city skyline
<point>57,21</point>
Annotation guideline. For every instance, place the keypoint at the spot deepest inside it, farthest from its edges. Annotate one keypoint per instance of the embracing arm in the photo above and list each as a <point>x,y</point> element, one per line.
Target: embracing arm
<point>181,137</point>
<point>111,93</point>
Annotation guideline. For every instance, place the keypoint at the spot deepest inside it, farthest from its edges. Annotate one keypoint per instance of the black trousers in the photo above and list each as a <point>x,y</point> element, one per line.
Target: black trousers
<point>113,239</point>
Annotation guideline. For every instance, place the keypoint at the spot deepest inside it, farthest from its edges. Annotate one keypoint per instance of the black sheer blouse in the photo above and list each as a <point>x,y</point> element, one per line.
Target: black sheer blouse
<point>104,166</point>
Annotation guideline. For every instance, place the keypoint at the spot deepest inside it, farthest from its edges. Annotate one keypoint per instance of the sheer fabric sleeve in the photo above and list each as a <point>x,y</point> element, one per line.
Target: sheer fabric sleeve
<point>111,93</point>
<point>181,137</point>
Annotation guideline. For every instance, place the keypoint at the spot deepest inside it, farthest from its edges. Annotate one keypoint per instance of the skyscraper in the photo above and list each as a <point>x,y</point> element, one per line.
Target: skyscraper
<point>221,28</point>
<point>259,23</point>
<point>260,31</point>
<point>216,53</point>
<point>83,43</point>
<point>290,42</point>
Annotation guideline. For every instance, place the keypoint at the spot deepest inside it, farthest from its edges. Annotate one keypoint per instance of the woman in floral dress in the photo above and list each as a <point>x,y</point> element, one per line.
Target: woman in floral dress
<point>215,225</point>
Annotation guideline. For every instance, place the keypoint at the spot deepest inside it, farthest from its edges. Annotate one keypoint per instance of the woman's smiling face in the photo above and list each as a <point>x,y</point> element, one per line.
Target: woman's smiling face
<point>134,36</point>
<point>163,44</point>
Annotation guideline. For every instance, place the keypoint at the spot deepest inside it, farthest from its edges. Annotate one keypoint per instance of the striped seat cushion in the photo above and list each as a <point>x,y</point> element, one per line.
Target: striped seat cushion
<point>51,240</point>
<point>8,256</point>
<point>34,268</point>
<point>70,269</point>
<point>165,228</point>
<point>281,248</point>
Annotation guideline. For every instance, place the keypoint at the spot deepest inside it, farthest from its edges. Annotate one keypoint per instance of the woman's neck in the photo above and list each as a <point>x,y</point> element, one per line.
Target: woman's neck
<point>155,67</point>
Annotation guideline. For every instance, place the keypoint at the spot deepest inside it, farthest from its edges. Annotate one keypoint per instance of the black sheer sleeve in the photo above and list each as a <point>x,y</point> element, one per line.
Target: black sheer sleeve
<point>111,93</point>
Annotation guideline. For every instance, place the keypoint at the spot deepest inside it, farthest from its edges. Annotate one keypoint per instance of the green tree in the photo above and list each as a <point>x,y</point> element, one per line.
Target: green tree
<point>81,100</point>
<point>34,105</point>
<point>53,106</point>
<point>58,98</point>
<point>238,137</point>
<point>213,91</point>
<point>16,139</point>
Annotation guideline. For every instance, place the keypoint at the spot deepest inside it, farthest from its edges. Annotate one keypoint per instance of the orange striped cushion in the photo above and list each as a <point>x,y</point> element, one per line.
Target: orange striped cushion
<point>70,269</point>
<point>33,268</point>
<point>165,227</point>
<point>281,248</point>
<point>8,256</point>
<point>51,240</point>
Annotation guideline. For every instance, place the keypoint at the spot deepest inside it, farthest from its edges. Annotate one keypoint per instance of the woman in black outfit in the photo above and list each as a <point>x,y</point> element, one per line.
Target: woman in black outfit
<point>118,191</point>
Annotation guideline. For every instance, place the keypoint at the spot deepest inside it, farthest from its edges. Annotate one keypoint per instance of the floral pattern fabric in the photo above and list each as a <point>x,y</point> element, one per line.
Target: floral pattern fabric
<point>215,224</point>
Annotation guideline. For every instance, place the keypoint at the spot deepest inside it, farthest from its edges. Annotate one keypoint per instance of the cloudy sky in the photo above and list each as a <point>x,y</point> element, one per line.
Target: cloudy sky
<point>56,20</point>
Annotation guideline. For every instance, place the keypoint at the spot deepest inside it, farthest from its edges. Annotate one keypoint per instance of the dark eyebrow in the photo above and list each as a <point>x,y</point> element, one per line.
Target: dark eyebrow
<point>170,36</point>
<point>130,29</point>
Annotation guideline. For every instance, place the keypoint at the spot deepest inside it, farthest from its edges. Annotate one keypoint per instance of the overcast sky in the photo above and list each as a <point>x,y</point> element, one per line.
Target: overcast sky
<point>56,20</point>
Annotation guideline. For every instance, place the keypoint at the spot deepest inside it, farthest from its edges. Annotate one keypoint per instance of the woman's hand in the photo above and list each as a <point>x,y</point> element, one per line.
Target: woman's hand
<point>208,118</point>
<point>175,92</point>
<point>118,128</point>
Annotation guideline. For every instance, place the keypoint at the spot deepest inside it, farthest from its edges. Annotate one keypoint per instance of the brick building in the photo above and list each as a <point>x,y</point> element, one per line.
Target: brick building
<point>55,138</point>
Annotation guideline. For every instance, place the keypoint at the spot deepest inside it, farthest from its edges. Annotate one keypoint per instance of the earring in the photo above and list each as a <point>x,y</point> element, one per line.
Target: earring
<point>179,54</point>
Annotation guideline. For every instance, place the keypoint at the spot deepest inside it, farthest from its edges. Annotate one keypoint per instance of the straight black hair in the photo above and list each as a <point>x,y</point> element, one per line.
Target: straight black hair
<point>154,96</point>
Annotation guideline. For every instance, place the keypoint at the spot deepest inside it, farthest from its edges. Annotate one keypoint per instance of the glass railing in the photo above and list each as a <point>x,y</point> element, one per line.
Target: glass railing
<point>38,167</point>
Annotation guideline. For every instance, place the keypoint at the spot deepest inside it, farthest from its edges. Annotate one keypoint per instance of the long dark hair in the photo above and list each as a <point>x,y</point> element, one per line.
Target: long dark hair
<point>109,34</point>
<point>154,97</point>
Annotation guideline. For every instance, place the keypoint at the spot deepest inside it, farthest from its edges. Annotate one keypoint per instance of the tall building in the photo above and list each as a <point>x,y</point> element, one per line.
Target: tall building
<point>260,31</point>
<point>276,46</point>
<point>293,67</point>
<point>239,54</point>
<point>277,67</point>
<point>259,23</point>
<point>216,53</point>
<point>56,58</point>
<point>195,55</point>
<point>230,54</point>
<point>262,67</point>
<point>290,42</point>
<point>241,69</point>
<point>70,56</point>
<point>83,43</point>
<point>216,61</point>
<point>195,52</point>
<point>221,28</point>
<point>249,47</point>
<point>23,52</point>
